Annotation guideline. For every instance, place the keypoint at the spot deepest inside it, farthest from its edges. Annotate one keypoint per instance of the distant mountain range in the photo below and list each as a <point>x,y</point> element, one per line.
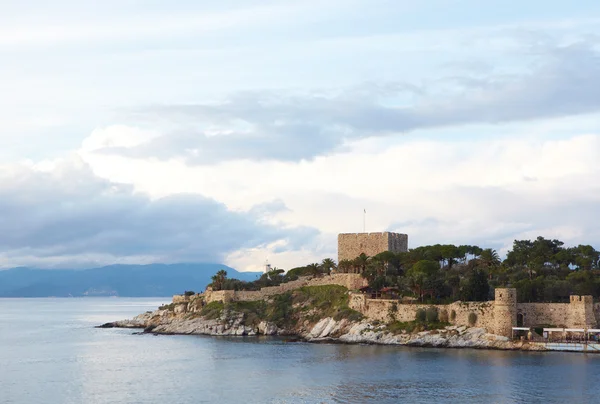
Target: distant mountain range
<point>114,280</point>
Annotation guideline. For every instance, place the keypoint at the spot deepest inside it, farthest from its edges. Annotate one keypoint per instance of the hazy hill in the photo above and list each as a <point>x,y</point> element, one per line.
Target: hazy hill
<point>114,280</point>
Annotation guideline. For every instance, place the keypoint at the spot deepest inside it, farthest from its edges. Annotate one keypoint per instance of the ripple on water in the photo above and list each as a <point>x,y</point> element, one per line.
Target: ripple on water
<point>51,353</point>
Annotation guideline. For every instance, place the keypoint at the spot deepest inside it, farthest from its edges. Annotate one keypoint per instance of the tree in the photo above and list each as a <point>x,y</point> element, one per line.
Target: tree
<point>489,258</point>
<point>275,274</point>
<point>421,276</point>
<point>450,253</point>
<point>218,280</point>
<point>476,287</point>
<point>345,266</point>
<point>313,269</point>
<point>360,263</point>
<point>328,265</point>
<point>585,257</point>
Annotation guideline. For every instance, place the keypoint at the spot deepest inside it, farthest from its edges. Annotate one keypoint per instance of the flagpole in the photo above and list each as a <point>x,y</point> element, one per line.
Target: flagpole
<point>364,220</point>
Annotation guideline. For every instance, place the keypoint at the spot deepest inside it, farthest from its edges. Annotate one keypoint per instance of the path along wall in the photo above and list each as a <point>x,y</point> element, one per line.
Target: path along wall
<point>580,312</point>
<point>349,281</point>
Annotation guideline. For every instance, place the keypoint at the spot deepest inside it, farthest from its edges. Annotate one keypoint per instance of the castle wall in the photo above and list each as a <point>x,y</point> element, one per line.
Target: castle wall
<point>391,310</point>
<point>180,299</point>
<point>349,281</point>
<point>557,314</point>
<point>496,317</point>
<point>351,245</point>
<point>397,242</point>
<point>596,308</point>
<point>580,312</point>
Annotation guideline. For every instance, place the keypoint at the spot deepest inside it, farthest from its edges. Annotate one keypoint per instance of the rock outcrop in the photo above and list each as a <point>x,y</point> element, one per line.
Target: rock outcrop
<point>324,330</point>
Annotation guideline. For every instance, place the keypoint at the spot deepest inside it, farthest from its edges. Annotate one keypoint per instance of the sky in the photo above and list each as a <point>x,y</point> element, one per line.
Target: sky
<point>243,131</point>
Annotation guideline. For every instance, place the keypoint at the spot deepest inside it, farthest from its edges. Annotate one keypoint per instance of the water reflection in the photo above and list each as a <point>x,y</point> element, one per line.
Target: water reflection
<point>51,353</point>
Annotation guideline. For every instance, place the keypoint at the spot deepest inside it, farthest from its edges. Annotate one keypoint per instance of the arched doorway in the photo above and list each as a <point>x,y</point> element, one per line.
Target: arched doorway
<point>519,319</point>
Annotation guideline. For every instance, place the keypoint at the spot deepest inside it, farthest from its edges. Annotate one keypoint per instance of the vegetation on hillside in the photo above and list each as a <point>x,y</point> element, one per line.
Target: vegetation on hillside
<point>277,276</point>
<point>285,310</point>
<point>541,270</point>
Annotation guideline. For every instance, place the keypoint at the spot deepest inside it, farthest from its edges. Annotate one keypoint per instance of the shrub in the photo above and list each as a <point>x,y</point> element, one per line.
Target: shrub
<point>393,309</point>
<point>444,316</point>
<point>452,315</point>
<point>472,319</point>
<point>189,293</point>
<point>421,315</point>
<point>431,315</point>
<point>212,310</point>
<point>170,307</point>
<point>349,314</point>
<point>396,327</point>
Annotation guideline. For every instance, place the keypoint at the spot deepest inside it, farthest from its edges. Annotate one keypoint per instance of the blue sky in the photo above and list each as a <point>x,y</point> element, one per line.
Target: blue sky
<point>454,121</point>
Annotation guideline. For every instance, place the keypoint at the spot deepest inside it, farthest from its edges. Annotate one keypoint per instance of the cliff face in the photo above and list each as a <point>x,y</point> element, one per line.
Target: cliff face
<point>313,314</point>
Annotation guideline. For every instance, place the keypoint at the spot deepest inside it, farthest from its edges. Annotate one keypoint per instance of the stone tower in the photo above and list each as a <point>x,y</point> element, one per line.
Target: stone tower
<point>351,245</point>
<point>505,311</point>
<point>581,312</point>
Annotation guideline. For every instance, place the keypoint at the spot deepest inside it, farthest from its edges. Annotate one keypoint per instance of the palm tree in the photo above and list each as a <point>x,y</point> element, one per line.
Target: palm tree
<point>328,265</point>
<point>345,266</point>
<point>218,279</point>
<point>360,263</point>
<point>489,258</point>
<point>314,269</point>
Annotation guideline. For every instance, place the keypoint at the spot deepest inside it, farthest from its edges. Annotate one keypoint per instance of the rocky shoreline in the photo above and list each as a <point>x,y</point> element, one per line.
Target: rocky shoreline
<point>325,330</point>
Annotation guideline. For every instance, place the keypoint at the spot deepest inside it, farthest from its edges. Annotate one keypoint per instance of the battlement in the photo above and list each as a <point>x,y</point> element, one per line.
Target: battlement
<point>505,296</point>
<point>574,299</point>
<point>351,245</point>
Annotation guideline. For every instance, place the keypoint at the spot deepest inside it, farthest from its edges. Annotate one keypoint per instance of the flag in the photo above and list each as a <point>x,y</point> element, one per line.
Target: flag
<point>365,210</point>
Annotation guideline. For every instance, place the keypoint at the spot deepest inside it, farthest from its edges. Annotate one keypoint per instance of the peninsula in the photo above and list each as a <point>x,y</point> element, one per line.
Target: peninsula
<point>390,295</point>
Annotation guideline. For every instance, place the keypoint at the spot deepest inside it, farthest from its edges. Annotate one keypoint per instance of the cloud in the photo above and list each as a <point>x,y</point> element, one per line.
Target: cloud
<point>438,191</point>
<point>62,214</point>
<point>280,126</point>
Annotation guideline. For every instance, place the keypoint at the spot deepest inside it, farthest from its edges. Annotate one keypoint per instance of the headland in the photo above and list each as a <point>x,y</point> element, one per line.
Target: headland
<point>348,306</point>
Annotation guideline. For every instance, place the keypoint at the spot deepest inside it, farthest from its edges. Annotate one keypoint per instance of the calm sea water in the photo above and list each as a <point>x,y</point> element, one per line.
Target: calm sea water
<point>50,353</point>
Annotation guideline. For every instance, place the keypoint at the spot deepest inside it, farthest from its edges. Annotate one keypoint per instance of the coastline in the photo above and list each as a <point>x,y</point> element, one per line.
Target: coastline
<point>166,322</point>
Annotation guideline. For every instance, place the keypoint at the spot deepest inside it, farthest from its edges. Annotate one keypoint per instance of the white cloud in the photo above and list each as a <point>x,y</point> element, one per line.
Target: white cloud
<point>482,191</point>
<point>60,213</point>
<point>117,136</point>
<point>263,121</point>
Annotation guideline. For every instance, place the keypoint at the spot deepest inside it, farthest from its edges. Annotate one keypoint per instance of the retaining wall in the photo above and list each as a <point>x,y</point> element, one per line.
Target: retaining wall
<point>349,281</point>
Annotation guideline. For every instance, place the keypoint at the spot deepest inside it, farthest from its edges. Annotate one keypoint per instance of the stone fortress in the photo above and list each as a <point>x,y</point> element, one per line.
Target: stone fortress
<point>497,317</point>
<point>351,245</point>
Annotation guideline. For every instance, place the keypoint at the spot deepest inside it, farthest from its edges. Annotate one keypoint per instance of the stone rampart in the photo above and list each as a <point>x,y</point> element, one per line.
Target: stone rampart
<point>532,314</point>
<point>351,245</point>
<point>578,313</point>
<point>597,313</point>
<point>350,281</point>
<point>497,316</point>
<point>392,310</point>
<point>180,299</point>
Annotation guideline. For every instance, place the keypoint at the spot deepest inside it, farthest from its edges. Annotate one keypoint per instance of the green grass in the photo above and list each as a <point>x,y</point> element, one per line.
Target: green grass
<point>170,307</point>
<point>287,309</point>
<point>396,327</point>
<point>326,301</point>
<point>252,312</point>
<point>213,310</point>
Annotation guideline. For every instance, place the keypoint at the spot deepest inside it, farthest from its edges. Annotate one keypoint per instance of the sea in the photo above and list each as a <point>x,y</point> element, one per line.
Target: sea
<point>50,352</point>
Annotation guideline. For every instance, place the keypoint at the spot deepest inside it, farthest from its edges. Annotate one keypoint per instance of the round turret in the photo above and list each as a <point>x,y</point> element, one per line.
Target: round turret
<point>505,311</point>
